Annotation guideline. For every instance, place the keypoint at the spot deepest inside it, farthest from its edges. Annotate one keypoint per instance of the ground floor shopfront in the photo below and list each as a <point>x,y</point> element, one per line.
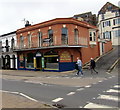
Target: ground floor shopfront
<point>62,59</point>
<point>9,61</point>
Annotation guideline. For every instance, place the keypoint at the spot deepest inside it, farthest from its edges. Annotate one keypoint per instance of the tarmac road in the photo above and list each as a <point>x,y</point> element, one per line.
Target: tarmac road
<point>70,97</point>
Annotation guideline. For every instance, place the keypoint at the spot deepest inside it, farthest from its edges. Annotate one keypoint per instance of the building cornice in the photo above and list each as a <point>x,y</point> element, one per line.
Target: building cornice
<point>54,22</point>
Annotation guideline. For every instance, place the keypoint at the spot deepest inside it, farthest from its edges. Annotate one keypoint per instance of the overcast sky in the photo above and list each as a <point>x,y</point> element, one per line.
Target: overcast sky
<point>36,11</point>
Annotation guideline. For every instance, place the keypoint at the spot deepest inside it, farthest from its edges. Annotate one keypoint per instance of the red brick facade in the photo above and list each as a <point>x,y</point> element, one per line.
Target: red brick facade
<point>68,52</point>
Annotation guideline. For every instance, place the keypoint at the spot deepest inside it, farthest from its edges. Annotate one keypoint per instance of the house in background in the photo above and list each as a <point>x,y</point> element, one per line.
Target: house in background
<point>109,26</point>
<point>8,57</point>
<point>87,17</point>
<point>54,45</point>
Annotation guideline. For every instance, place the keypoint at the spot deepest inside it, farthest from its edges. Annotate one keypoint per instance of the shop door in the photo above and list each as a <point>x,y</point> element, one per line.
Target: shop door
<point>7,65</point>
<point>39,62</point>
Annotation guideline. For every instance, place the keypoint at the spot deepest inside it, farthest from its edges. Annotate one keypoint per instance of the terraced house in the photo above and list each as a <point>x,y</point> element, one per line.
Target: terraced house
<point>8,56</point>
<point>54,45</point>
<point>109,26</point>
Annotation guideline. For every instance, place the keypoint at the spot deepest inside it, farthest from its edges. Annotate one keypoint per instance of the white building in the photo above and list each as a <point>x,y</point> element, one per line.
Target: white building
<point>8,56</point>
<point>109,24</point>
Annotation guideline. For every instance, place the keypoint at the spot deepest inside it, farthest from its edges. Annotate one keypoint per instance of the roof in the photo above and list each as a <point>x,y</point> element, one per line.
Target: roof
<point>104,7</point>
<point>56,21</point>
<point>83,14</point>
<point>8,34</point>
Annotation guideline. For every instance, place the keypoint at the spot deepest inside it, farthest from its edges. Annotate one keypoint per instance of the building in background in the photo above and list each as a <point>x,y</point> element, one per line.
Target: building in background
<point>8,57</point>
<point>54,45</point>
<point>109,25</point>
<point>87,17</point>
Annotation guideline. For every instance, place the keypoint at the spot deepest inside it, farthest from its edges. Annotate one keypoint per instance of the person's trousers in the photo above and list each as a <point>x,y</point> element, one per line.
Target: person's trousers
<point>79,70</point>
<point>93,69</point>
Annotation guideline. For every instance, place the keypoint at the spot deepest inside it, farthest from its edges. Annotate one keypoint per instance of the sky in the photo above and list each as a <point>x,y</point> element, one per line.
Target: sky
<point>36,11</point>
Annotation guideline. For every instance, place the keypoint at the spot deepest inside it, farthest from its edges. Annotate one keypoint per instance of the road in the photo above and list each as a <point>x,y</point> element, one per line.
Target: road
<point>70,97</point>
<point>103,94</point>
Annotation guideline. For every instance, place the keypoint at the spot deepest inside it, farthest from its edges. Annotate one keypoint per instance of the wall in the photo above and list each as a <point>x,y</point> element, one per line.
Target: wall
<point>108,46</point>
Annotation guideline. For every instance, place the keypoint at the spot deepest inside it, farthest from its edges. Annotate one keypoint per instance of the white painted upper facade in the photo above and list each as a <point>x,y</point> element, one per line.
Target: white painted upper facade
<point>109,26</point>
<point>9,40</point>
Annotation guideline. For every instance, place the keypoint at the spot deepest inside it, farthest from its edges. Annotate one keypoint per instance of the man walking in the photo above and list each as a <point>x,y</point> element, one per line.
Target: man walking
<point>92,66</point>
<point>79,63</point>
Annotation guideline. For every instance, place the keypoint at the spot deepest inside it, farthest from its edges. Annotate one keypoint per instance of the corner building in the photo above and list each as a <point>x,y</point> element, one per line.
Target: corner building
<point>54,45</point>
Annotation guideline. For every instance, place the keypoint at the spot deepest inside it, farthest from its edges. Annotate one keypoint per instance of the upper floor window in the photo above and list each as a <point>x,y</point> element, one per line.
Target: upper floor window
<point>21,41</point>
<point>117,13</point>
<point>40,39</point>
<point>12,43</point>
<point>0,46</point>
<point>76,34</point>
<point>29,40</point>
<point>116,21</point>
<point>102,16</point>
<point>107,35</point>
<point>117,33</point>
<point>109,7</point>
<point>106,23</point>
<point>92,36</point>
<point>50,36</point>
<point>7,46</point>
<point>64,35</point>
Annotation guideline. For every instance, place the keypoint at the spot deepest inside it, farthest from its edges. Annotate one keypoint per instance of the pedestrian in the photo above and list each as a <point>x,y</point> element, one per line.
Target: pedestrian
<point>79,64</point>
<point>92,66</point>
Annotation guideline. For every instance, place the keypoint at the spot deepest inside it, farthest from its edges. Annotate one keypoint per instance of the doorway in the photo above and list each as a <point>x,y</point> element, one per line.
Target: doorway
<point>39,62</point>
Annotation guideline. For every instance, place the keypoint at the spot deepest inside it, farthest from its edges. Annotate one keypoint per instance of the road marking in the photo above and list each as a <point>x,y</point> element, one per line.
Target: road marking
<point>71,93</point>
<point>93,105</point>
<point>18,93</point>
<point>28,97</point>
<point>88,86</point>
<point>110,77</point>
<point>112,90</point>
<point>57,99</point>
<point>108,97</point>
<point>10,92</point>
<point>80,89</point>
<point>100,81</point>
<point>113,76</point>
<point>116,86</point>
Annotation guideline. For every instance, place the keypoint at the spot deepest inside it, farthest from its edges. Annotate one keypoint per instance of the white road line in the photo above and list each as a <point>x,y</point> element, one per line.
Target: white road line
<point>10,92</point>
<point>57,99</point>
<point>93,105</point>
<point>88,86</point>
<point>71,93</point>
<point>112,90</point>
<point>28,97</point>
<point>80,89</point>
<point>116,86</point>
<point>108,97</point>
<point>113,76</point>
<point>20,94</point>
<point>100,81</point>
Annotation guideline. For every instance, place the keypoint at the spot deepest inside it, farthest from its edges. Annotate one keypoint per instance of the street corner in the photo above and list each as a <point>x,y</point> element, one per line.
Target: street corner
<point>19,100</point>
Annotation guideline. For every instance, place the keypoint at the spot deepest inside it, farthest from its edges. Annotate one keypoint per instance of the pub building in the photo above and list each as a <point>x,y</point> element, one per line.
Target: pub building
<point>54,45</point>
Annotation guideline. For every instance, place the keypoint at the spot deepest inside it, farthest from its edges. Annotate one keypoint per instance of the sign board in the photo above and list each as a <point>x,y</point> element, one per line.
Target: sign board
<point>65,57</point>
<point>38,54</point>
